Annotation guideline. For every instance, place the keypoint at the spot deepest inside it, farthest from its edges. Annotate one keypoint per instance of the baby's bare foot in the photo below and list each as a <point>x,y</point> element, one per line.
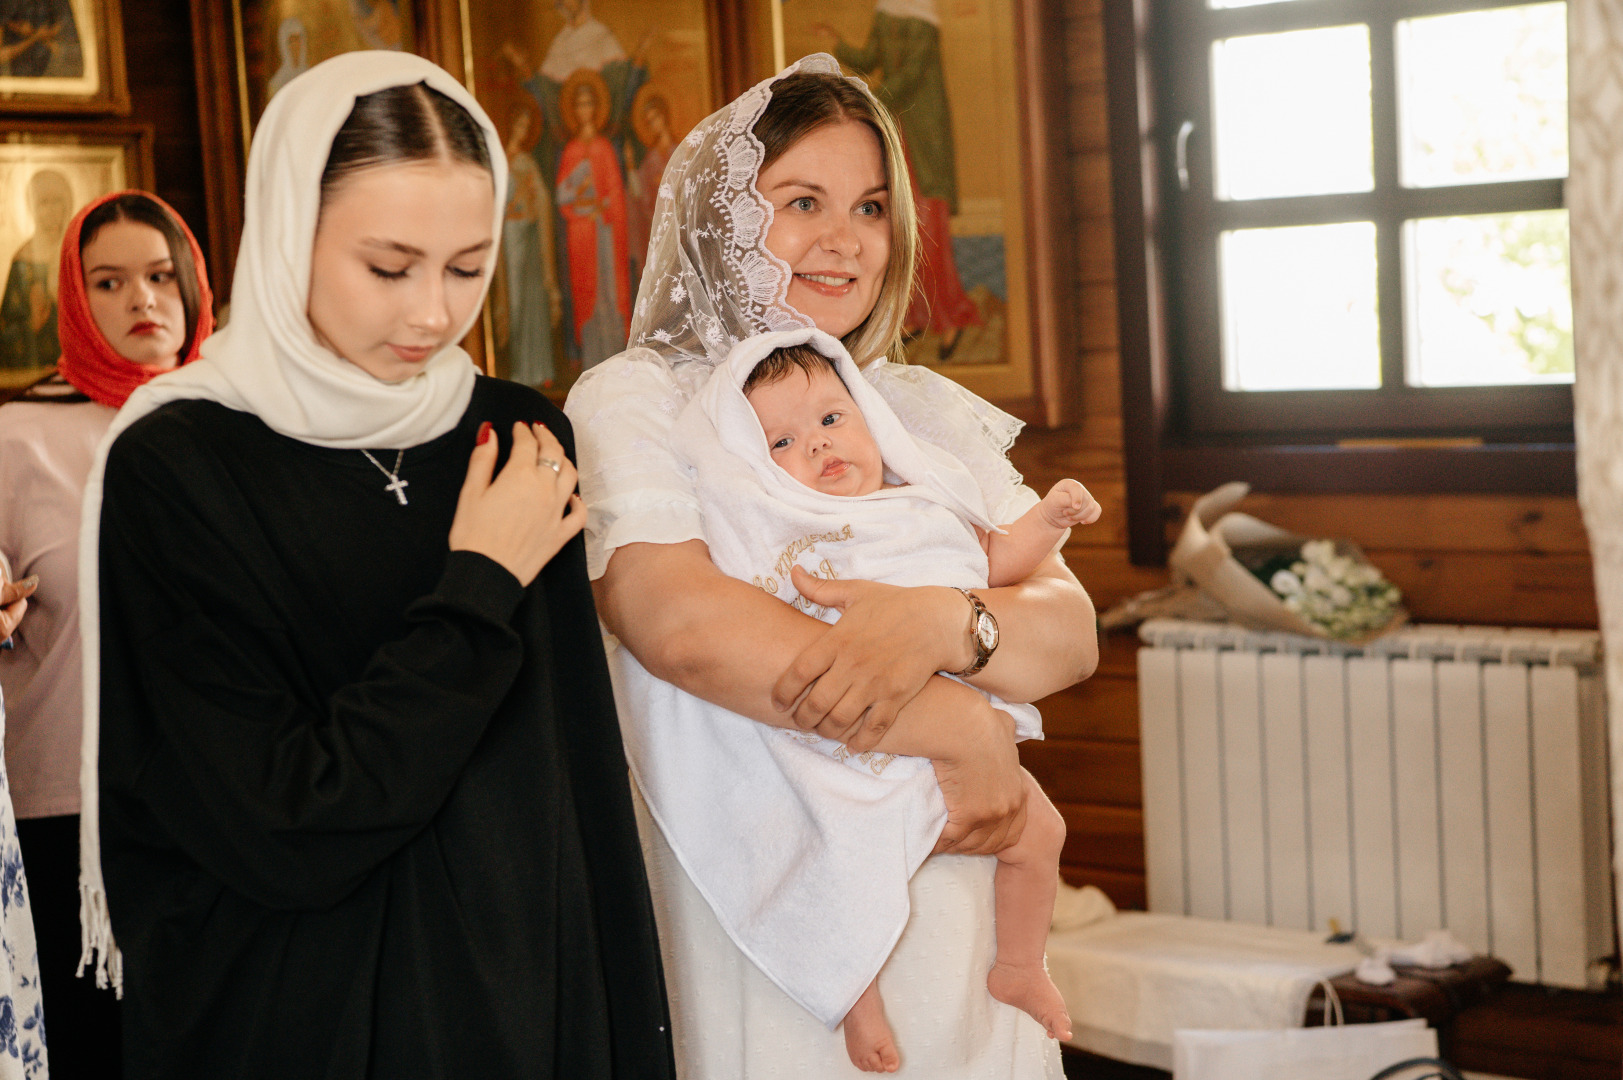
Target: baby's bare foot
<point>1030,990</point>
<point>868,1039</point>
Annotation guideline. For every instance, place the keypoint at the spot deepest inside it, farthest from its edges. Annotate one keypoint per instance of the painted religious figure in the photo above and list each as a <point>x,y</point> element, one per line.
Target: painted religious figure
<point>292,45</point>
<point>378,23</point>
<point>951,75</point>
<point>44,179</point>
<point>904,47</point>
<point>528,305</point>
<point>607,87</point>
<point>28,306</point>
<point>586,70</point>
<point>591,197</point>
<point>282,39</point>
<point>39,39</point>
<point>651,121</point>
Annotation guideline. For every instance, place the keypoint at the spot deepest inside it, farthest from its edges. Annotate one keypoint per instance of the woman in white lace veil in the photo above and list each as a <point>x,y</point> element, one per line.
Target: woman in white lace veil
<point>870,680</point>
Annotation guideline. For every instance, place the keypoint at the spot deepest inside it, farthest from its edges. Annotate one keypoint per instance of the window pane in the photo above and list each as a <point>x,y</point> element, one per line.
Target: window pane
<point>1299,308</point>
<point>1219,4</point>
<point>1490,300</point>
<point>1483,95</point>
<point>1292,114</point>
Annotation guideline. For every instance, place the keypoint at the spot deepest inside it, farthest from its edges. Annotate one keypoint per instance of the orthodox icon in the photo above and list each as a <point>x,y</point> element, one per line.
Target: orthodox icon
<point>43,183</point>
<point>62,56</point>
<point>947,72</point>
<point>282,39</point>
<point>589,127</point>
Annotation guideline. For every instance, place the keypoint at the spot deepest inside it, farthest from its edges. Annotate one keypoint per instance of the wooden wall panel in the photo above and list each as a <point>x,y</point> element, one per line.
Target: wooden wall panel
<point>1529,525</point>
<point>163,93</point>
<point>1510,560</point>
<point>1109,838</point>
<point>1087,772</point>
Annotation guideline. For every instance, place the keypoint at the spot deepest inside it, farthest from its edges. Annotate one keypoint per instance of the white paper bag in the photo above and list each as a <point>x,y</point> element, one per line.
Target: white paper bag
<point>1349,1052</point>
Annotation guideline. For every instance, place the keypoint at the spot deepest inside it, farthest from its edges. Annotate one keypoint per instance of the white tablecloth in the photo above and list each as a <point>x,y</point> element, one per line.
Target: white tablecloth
<point>1132,978</point>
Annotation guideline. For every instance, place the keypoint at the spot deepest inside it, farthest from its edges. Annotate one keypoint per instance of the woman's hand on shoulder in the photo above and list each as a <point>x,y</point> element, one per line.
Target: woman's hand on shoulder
<point>850,684</point>
<point>524,515</point>
<point>13,602</point>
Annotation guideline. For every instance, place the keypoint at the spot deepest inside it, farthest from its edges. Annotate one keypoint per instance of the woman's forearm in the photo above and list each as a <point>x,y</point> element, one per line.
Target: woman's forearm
<point>1048,635</point>
<point>714,636</point>
<point>727,642</point>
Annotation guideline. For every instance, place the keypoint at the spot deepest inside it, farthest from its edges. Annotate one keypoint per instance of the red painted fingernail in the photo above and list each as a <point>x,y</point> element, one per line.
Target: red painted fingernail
<point>484,433</point>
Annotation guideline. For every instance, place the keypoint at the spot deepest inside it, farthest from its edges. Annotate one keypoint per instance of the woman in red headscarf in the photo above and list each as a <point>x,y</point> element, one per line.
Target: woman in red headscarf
<point>133,302</point>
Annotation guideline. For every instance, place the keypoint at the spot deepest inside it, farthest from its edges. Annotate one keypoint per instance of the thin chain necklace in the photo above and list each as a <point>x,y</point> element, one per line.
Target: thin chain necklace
<point>395,484</point>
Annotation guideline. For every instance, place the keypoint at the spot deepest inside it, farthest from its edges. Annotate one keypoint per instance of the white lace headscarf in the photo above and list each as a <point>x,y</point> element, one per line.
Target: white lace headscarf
<point>710,283</point>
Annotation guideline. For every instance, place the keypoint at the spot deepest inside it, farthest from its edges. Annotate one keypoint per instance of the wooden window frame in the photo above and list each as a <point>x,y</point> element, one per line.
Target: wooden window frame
<point>1183,432</point>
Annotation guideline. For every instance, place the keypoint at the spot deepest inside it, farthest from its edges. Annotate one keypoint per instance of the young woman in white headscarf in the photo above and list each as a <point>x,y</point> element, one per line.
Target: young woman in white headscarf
<point>790,207</point>
<point>363,803</point>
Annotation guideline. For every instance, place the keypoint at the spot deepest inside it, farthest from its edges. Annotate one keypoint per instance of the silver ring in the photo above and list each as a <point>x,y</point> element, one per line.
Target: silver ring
<point>555,466</point>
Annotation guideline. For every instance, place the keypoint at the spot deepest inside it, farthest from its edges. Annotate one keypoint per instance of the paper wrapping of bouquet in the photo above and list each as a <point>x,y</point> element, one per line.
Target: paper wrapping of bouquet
<point>1204,556</point>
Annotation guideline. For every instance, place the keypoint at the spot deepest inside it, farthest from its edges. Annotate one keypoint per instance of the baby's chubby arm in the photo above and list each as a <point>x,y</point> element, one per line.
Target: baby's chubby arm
<point>1014,554</point>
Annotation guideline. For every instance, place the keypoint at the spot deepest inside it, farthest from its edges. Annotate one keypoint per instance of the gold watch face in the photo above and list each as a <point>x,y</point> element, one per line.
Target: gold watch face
<point>986,631</point>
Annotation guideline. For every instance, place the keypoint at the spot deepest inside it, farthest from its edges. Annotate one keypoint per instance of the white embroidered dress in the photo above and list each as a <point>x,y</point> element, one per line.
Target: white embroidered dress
<point>709,283</point>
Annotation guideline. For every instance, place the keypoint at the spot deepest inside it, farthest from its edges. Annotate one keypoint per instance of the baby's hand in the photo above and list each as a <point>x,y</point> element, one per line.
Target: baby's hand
<point>1068,503</point>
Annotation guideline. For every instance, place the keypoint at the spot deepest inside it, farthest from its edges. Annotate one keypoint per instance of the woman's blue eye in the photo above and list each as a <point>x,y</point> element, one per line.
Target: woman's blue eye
<point>387,275</point>
<point>805,202</point>
<point>873,209</point>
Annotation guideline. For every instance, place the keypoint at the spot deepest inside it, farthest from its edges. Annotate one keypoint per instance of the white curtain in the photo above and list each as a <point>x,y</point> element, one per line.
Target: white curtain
<point>1595,202</point>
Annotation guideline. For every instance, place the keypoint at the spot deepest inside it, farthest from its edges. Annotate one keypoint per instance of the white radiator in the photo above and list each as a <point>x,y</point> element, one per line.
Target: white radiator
<point>1440,777</point>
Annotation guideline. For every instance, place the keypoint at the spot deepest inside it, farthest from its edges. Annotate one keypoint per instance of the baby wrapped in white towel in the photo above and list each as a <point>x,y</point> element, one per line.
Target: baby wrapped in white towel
<point>799,462</point>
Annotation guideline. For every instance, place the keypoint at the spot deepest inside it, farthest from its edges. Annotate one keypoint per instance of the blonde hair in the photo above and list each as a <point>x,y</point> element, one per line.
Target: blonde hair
<point>807,100</point>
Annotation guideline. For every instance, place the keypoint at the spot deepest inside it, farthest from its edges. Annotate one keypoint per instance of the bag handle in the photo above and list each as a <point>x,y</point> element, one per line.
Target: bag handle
<point>1442,1070</point>
<point>1332,1004</point>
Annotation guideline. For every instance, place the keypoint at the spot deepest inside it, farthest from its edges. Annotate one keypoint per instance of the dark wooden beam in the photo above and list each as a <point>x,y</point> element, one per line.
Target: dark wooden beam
<point>1492,469</point>
<point>1140,291</point>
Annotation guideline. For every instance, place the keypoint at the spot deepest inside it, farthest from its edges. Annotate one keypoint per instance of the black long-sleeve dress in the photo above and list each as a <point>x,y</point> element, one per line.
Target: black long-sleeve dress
<point>365,811</point>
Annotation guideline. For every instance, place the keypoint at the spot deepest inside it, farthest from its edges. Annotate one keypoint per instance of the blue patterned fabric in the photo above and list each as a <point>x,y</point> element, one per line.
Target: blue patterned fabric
<point>22,1016</point>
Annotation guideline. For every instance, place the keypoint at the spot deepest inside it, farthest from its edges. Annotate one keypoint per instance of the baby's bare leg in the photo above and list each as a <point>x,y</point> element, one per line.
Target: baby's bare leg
<point>1026,881</point>
<point>867,1034</point>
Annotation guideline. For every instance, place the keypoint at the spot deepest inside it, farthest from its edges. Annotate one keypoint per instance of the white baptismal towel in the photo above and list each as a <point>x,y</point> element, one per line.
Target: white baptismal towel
<point>803,849</point>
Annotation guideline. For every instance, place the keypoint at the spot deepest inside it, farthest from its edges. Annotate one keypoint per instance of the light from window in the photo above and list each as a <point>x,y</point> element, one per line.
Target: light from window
<point>1220,4</point>
<point>1490,299</point>
<point>1299,308</point>
<point>1483,96</point>
<point>1292,113</point>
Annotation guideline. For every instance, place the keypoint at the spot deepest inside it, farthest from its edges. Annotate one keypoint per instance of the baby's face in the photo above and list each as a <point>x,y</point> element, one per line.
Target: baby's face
<point>817,435</point>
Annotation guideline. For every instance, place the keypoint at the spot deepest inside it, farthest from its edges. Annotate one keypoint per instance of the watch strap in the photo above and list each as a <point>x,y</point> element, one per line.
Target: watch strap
<point>982,653</point>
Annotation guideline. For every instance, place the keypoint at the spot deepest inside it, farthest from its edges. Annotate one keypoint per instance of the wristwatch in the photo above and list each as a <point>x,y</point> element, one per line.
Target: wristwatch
<point>982,631</point>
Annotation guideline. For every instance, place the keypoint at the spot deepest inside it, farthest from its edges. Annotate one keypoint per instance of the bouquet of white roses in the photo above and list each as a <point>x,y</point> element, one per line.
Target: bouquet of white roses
<point>1336,591</point>
<point>1268,578</point>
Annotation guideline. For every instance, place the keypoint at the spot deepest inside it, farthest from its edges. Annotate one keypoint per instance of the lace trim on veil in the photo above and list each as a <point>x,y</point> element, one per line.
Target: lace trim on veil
<point>710,282</point>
